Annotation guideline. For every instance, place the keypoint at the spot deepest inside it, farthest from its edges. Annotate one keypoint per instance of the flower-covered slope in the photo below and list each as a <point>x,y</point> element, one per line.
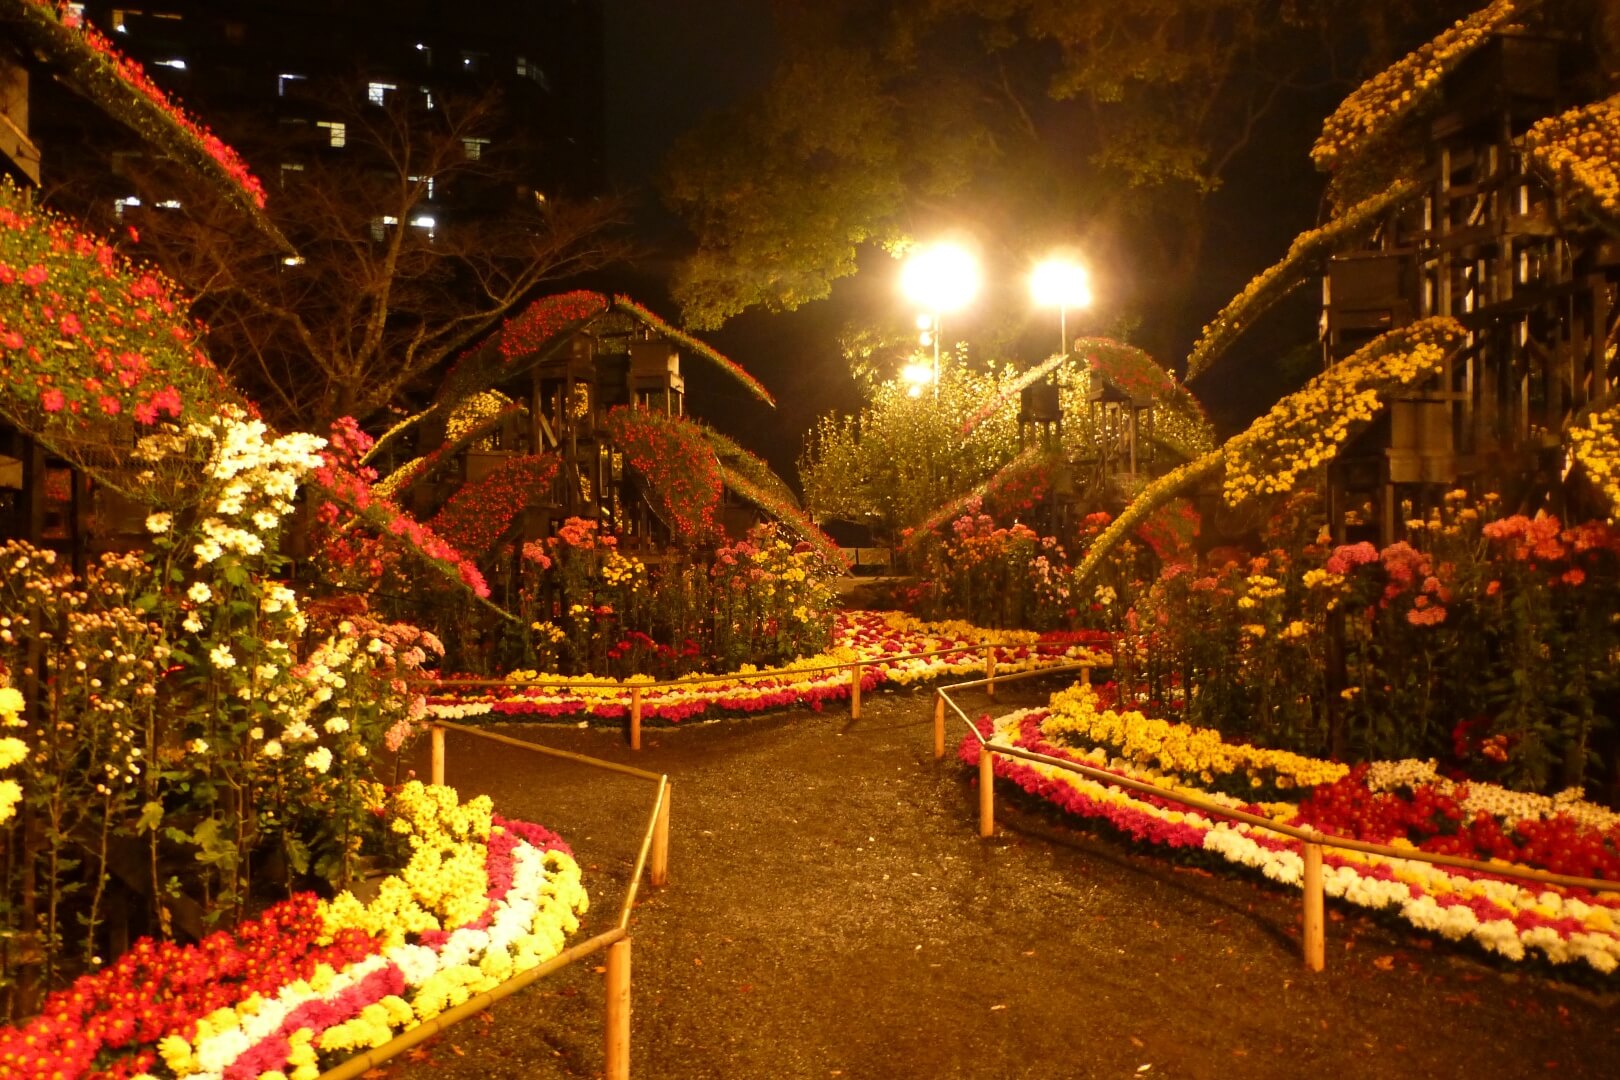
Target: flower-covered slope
<point>1383,101</point>
<point>94,67</point>
<point>678,466</point>
<point>698,348</point>
<point>311,982</point>
<point>1302,432</point>
<point>479,514</point>
<point>1583,146</point>
<point>863,635</point>
<point>1396,803</point>
<point>95,350</point>
<point>1281,278</point>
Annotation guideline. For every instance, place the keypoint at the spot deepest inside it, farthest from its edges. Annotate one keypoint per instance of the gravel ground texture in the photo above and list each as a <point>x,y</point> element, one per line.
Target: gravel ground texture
<point>832,912</point>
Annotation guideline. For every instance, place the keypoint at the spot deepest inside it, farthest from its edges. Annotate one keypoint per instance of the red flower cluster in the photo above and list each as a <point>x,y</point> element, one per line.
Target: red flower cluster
<point>350,491</point>
<point>544,320</point>
<point>479,513</point>
<point>679,466</point>
<point>159,988</point>
<point>132,75</point>
<point>1438,822</point>
<point>84,332</point>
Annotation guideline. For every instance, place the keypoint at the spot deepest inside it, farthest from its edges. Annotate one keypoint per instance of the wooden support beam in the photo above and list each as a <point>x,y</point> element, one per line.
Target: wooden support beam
<point>1315,934</point>
<point>855,692</point>
<point>987,792</point>
<point>436,733</point>
<point>939,725</point>
<point>635,718</point>
<point>616,1025</point>
<point>660,845</point>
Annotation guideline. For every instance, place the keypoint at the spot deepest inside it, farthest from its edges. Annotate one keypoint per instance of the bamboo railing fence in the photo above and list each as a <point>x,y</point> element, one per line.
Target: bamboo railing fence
<point>1312,842</point>
<point>652,857</point>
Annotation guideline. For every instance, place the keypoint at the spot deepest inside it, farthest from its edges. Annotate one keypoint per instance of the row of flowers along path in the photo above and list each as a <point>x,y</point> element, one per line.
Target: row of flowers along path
<point>1404,803</point>
<point>859,636</point>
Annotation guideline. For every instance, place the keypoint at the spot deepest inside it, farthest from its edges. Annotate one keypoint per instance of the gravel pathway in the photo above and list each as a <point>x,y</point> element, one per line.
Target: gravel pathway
<point>832,912</point>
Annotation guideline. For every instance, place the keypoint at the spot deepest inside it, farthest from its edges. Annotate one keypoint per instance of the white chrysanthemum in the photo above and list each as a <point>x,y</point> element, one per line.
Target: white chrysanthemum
<point>159,523</point>
<point>318,759</point>
<point>221,656</point>
<point>200,593</point>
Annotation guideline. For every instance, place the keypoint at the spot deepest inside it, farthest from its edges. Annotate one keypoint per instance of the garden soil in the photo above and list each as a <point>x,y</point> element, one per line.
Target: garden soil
<point>832,912</point>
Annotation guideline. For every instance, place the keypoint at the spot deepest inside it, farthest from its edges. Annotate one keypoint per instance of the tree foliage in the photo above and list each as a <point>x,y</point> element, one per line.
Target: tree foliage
<point>1074,116</point>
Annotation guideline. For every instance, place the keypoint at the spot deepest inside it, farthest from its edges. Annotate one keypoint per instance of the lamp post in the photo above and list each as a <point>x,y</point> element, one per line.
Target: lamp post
<point>1063,284</point>
<point>940,278</point>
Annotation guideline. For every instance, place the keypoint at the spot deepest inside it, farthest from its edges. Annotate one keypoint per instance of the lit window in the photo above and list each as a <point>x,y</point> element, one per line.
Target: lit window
<point>427,180</point>
<point>176,63</point>
<point>377,92</point>
<point>128,200</point>
<point>523,66</point>
<point>474,148</point>
<point>390,219</point>
<point>424,221</point>
<point>118,15</point>
<point>337,132</point>
<point>170,204</point>
<point>283,81</point>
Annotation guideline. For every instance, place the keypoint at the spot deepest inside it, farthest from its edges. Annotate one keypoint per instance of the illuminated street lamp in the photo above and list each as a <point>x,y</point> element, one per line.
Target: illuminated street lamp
<point>1063,284</point>
<point>939,278</point>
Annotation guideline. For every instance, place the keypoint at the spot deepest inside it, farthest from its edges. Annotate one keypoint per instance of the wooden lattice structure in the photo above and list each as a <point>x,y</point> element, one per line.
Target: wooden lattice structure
<point>1515,257</point>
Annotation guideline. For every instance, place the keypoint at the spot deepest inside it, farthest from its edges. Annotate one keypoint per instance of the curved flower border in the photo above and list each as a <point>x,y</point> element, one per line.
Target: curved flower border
<point>864,636</point>
<point>687,341</point>
<point>481,899</point>
<point>1510,918</point>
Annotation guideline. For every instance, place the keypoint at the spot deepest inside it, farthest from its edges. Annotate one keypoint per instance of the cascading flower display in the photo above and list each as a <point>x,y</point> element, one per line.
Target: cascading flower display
<point>92,346</point>
<point>480,513</point>
<point>1583,145</point>
<point>95,67</point>
<point>678,465</point>
<point>1306,429</point>
<point>698,348</point>
<point>1384,100</point>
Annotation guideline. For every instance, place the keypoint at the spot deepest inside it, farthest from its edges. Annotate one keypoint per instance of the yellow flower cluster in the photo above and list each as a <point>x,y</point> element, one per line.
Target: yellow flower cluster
<point>1306,429</point>
<point>620,570</point>
<point>1583,145</point>
<point>12,751</point>
<point>445,874</point>
<point>474,411</point>
<point>1596,445</point>
<point>1378,104</point>
<point>1177,748</point>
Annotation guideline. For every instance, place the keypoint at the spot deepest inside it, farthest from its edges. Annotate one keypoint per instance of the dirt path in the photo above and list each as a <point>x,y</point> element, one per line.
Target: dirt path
<point>833,913</point>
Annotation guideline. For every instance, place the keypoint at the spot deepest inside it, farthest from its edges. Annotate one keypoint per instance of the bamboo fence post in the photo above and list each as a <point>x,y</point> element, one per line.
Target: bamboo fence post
<point>990,672</point>
<point>616,1027</point>
<point>855,692</point>
<point>635,718</point>
<point>437,771</point>
<point>1314,933</point>
<point>939,725</point>
<point>987,792</point>
<point>660,844</point>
